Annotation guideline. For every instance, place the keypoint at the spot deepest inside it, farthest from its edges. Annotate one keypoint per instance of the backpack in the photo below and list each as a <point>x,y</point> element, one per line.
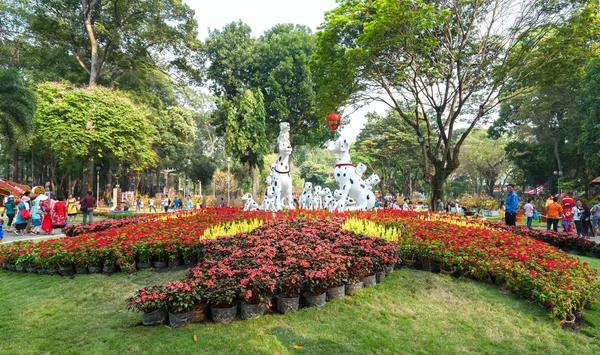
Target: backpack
<point>25,214</point>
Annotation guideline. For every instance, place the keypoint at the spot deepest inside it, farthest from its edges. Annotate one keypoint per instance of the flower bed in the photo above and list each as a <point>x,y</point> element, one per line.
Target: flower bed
<point>174,237</point>
<point>523,265</point>
<point>73,230</point>
<point>289,258</point>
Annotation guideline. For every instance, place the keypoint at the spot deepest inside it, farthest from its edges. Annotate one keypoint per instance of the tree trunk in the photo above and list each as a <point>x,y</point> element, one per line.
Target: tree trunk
<point>96,62</point>
<point>15,172</point>
<point>557,155</point>
<point>254,174</point>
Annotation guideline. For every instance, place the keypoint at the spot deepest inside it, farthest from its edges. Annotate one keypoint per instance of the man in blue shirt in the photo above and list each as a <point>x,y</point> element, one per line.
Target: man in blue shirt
<point>512,206</point>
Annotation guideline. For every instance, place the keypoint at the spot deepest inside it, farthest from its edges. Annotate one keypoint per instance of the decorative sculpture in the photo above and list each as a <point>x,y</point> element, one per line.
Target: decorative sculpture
<point>372,181</point>
<point>351,185</point>
<point>250,204</point>
<point>306,198</point>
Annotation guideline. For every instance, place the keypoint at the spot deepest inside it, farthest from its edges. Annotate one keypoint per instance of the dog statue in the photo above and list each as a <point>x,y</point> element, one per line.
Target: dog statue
<point>372,181</point>
<point>351,185</point>
<point>250,204</point>
<point>305,199</point>
<point>282,180</point>
<point>317,201</point>
<point>360,169</point>
<point>327,198</point>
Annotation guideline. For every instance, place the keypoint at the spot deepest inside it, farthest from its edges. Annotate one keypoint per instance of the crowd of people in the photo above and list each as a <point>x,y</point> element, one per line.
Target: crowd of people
<point>40,214</point>
<point>574,214</point>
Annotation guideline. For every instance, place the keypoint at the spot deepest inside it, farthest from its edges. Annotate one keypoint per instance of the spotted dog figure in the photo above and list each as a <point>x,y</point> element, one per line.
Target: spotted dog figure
<point>351,185</point>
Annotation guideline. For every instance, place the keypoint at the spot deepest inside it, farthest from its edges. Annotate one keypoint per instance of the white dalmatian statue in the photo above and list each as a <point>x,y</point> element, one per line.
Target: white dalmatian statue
<point>372,181</point>
<point>250,204</point>
<point>328,200</point>
<point>306,198</point>
<point>360,169</point>
<point>282,180</point>
<point>317,200</point>
<point>337,198</point>
<point>269,200</point>
<point>351,185</point>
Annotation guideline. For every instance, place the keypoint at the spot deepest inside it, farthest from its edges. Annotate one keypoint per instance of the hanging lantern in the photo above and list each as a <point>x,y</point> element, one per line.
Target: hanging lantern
<point>333,120</point>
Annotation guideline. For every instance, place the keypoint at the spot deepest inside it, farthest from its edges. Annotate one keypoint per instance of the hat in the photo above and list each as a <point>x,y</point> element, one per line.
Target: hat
<point>42,198</point>
<point>25,198</point>
<point>11,198</point>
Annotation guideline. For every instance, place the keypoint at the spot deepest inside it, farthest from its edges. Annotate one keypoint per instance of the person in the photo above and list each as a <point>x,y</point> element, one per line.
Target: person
<point>138,204</point>
<point>59,213</point>
<point>512,206</point>
<point>46,210</point>
<point>502,210</point>
<point>448,208</point>
<point>71,208</point>
<point>222,203</point>
<point>596,217</point>
<point>126,206</point>
<point>165,203</point>
<point>36,216</point>
<point>189,203</point>
<point>586,221</point>
<point>21,221</point>
<point>440,206</point>
<point>176,203</point>
<point>151,205</point>
<point>1,230</point>
<point>9,209</point>
<point>567,218</point>
<point>405,205</point>
<point>553,211</point>
<point>87,207</point>
<point>577,211</point>
<point>528,210</point>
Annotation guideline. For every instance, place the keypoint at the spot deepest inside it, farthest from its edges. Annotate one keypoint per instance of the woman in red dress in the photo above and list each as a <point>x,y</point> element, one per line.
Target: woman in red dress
<point>47,221</point>
<point>59,215</point>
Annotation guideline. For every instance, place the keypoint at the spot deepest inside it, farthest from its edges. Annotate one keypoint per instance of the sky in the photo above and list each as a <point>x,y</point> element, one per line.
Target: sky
<point>261,15</point>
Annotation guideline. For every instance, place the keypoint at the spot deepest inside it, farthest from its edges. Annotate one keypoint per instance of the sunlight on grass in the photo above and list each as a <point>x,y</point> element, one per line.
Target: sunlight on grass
<point>410,312</point>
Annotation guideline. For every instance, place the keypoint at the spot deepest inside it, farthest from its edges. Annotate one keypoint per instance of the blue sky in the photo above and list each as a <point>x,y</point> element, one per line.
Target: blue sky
<point>261,15</point>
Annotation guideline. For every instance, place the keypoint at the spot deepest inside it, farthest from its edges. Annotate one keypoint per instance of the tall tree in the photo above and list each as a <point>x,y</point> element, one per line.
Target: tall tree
<point>17,107</point>
<point>285,77</point>
<point>437,62</point>
<point>106,38</point>
<point>86,125</point>
<point>245,136</point>
<point>387,146</point>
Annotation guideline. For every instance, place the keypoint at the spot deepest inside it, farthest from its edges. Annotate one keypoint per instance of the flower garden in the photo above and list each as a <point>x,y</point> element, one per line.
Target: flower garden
<point>303,258</point>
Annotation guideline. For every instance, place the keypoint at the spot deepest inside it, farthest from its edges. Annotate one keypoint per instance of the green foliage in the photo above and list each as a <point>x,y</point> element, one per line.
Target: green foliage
<point>17,106</point>
<point>589,140</point>
<point>82,124</point>
<point>316,165</point>
<point>245,137</point>
<point>389,148</point>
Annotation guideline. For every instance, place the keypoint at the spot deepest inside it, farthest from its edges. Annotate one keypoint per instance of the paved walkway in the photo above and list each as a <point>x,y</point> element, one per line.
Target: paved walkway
<point>11,236</point>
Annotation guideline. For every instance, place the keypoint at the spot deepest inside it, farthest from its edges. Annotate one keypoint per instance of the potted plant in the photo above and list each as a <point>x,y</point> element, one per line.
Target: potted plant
<point>257,284</point>
<point>180,300</point>
<point>289,284</point>
<point>359,267</point>
<point>150,303</point>
<point>142,255</point>
<point>317,282</point>
<point>335,279</point>
<point>221,294</point>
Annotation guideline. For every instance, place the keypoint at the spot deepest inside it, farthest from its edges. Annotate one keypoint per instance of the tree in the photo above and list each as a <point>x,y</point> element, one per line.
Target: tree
<point>17,107</point>
<point>83,125</point>
<point>285,77</point>
<point>483,159</point>
<point>436,62</point>
<point>106,38</point>
<point>388,148</point>
<point>245,136</point>
<point>589,141</point>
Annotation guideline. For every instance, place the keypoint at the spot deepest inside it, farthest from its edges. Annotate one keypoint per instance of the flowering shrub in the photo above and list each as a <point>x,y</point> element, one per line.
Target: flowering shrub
<point>524,265</point>
<point>181,296</point>
<point>287,255</point>
<point>147,300</point>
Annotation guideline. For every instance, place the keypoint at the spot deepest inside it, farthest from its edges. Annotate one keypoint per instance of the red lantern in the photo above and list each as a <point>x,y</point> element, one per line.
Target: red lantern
<point>333,120</point>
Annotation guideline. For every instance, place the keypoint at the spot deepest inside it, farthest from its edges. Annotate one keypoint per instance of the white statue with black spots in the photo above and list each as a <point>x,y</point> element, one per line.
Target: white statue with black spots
<point>306,197</point>
<point>372,181</point>
<point>250,204</point>
<point>282,180</point>
<point>317,200</point>
<point>351,185</point>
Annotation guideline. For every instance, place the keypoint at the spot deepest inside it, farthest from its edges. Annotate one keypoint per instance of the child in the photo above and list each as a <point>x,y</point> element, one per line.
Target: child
<point>567,218</point>
<point>1,231</point>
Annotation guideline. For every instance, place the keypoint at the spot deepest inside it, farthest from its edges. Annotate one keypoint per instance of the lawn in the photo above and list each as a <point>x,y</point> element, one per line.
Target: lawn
<point>410,312</point>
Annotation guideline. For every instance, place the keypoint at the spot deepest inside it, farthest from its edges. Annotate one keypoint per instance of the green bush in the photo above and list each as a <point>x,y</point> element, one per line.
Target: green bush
<point>120,215</point>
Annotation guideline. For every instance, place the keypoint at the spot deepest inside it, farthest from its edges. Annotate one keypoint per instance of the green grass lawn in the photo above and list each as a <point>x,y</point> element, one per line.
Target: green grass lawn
<point>410,312</point>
